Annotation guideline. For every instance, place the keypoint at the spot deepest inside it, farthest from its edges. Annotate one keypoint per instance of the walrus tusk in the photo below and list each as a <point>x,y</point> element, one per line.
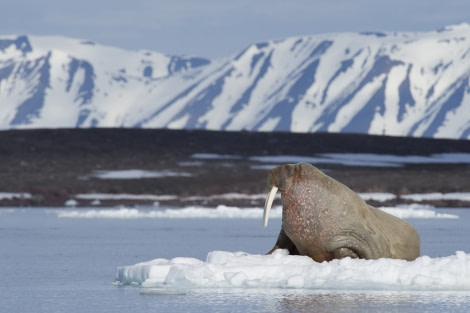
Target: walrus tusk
<point>268,204</point>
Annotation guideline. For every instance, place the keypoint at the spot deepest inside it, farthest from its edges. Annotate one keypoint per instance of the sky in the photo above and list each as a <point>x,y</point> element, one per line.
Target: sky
<point>215,29</point>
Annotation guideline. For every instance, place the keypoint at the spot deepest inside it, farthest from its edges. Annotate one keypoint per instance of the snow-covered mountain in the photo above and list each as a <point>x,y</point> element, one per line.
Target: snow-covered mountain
<point>404,84</point>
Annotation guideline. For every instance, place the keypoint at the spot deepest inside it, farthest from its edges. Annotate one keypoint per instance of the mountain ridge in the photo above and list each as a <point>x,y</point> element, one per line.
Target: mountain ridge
<point>381,83</point>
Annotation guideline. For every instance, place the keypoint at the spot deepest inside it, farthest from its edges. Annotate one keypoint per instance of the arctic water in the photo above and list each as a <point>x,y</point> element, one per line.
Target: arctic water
<point>88,260</point>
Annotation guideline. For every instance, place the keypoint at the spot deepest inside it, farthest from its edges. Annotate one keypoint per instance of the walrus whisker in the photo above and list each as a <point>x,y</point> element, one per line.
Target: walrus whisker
<point>268,204</point>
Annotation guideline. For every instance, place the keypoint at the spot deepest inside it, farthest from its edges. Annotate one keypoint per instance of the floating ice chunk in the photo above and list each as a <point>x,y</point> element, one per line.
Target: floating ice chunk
<point>416,211</point>
<point>459,196</point>
<point>123,196</point>
<point>377,196</point>
<point>14,195</point>
<point>242,270</point>
<point>71,203</point>
<point>220,211</point>
<point>136,174</point>
<point>215,156</point>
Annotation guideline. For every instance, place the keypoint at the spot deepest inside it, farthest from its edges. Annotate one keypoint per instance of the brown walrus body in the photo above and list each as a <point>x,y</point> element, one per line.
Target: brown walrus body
<point>325,220</point>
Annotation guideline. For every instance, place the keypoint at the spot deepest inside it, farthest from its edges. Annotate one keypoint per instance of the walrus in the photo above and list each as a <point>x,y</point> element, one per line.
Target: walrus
<point>325,220</point>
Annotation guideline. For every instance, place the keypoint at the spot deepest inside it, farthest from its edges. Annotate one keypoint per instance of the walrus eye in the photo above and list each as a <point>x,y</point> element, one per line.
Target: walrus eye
<point>291,170</point>
<point>268,204</point>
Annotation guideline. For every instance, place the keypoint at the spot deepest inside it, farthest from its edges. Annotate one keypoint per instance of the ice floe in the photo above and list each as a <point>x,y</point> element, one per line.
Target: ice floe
<point>377,196</point>
<point>123,196</point>
<point>459,196</point>
<point>224,269</point>
<point>220,211</point>
<point>14,195</point>
<point>137,174</point>
<point>215,156</point>
<point>224,212</point>
<point>416,211</point>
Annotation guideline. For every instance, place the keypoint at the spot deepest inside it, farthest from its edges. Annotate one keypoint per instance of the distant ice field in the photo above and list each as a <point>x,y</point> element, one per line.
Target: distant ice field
<point>225,212</point>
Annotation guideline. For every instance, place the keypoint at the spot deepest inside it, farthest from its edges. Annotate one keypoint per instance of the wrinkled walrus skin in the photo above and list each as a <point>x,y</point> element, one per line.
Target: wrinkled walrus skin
<point>325,220</point>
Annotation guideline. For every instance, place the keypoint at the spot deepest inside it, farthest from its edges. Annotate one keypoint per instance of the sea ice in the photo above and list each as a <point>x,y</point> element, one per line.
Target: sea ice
<point>460,196</point>
<point>136,174</point>
<point>416,211</point>
<point>13,195</point>
<point>225,212</point>
<point>242,270</point>
<point>220,211</point>
<point>377,196</point>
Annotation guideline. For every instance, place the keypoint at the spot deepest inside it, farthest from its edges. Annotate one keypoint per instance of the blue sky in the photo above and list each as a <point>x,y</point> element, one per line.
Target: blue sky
<point>211,28</point>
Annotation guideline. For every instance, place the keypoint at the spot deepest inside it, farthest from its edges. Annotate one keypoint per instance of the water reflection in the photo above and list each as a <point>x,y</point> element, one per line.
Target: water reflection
<point>303,301</point>
<point>374,301</point>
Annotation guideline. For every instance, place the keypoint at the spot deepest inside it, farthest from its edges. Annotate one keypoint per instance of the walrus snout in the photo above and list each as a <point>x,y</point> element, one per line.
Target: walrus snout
<point>279,178</point>
<point>282,176</point>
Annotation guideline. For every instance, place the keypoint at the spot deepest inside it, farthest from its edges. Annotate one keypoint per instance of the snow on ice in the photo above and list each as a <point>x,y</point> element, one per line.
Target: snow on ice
<point>377,196</point>
<point>12,195</point>
<point>242,270</point>
<point>136,174</point>
<point>460,196</point>
<point>416,211</point>
<point>222,211</point>
<point>223,269</point>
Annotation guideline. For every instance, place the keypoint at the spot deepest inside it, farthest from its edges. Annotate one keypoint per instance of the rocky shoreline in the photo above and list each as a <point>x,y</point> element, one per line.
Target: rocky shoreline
<point>184,167</point>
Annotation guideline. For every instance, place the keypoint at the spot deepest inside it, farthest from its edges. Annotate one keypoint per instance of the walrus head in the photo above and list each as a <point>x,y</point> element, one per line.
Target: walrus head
<point>281,178</point>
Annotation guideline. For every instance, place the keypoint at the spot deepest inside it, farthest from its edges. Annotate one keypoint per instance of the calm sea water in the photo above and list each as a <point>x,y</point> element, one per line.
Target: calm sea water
<point>51,264</point>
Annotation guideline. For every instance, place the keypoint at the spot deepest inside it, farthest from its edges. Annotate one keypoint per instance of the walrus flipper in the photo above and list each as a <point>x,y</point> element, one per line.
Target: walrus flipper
<point>284,242</point>
<point>342,253</point>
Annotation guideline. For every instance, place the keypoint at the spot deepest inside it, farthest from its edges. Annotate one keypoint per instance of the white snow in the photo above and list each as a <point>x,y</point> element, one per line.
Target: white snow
<point>416,211</point>
<point>136,174</point>
<point>225,212</point>
<point>224,269</point>
<point>71,203</point>
<point>151,197</point>
<point>227,196</point>
<point>214,156</point>
<point>221,211</point>
<point>13,195</point>
<point>123,196</point>
<point>460,196</point>
<point>377,196</point>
